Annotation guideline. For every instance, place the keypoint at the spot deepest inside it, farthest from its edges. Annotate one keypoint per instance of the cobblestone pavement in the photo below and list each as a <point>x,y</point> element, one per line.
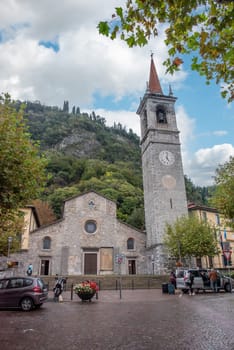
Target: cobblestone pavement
<point>141,319</point>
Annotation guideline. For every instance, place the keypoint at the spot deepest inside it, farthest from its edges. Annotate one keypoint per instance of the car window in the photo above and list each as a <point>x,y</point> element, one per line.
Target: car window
<point>180,274</point>
<point>195,273</point>
<point>28,282</point>
<point>40,283</point>
<point>15,283</point>
<point>3,284</point>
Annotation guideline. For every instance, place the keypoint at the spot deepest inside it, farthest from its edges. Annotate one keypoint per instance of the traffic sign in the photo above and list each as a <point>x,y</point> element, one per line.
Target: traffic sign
<point>119,258</point>
<point>227,254</point>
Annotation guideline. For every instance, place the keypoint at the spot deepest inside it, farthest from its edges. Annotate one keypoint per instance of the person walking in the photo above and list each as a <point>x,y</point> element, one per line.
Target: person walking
<point>172,279</point>
<point>190,283</point>
<point>213,276</point>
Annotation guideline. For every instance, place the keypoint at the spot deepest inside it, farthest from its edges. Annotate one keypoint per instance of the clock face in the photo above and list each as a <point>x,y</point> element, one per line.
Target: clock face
<point>166,157</point>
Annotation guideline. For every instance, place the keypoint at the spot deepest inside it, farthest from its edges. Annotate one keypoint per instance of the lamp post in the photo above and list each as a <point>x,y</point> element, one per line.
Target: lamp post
<point>152,261</point>
<point>9,241</point>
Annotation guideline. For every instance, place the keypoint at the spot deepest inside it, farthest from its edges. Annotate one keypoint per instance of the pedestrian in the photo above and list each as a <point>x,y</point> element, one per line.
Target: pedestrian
<point>29,269</point>
<point>213,276</point>
<point>172,279</point>
<point>190,283</point>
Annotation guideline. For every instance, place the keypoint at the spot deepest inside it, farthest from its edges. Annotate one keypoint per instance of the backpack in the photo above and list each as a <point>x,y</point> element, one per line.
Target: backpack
<point>29,271</point>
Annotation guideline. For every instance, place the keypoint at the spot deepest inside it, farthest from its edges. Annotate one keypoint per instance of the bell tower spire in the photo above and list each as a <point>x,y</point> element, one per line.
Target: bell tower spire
<point>154,83</point>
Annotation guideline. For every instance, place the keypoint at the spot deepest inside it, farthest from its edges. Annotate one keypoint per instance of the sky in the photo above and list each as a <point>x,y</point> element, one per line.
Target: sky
<point>51,51</point>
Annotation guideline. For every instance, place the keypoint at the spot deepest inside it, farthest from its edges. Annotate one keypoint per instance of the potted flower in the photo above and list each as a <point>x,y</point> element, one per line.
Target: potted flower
<point>86,290</point>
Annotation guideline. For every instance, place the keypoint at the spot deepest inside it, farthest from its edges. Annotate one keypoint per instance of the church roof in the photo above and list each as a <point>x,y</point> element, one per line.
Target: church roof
<point>154,84</point>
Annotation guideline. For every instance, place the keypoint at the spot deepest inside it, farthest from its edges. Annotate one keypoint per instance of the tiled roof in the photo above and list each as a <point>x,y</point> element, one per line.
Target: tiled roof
<point>154,84</point>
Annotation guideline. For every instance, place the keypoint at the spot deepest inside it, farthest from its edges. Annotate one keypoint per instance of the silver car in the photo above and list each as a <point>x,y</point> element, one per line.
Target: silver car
<point>201,280</point>
<point>22,292</point>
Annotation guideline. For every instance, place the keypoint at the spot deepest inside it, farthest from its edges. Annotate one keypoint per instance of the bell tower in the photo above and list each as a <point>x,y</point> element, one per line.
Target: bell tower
<point>163,177</point>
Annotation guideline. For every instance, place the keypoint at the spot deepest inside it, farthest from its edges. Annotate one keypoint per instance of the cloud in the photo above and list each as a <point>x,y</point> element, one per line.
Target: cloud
<point>129,120</point>
<point>86,62</point>
<point>206,160</point>
<point>220,132</point>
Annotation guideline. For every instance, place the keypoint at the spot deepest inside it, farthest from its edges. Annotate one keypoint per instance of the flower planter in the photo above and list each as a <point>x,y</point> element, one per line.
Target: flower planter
<point>84,296</point>
<point>86,290</point>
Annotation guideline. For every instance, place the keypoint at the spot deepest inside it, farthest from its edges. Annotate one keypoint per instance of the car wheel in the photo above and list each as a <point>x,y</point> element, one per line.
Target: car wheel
<point>26,304</point>
<point>228,288</point>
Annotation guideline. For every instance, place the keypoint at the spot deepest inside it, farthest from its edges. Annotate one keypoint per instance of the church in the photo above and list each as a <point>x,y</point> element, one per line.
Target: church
<point>89,239</point>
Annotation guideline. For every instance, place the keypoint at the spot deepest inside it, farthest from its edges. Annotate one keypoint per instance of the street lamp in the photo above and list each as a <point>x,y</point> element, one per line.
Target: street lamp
<point>152,261</point>
<point>9,240</point>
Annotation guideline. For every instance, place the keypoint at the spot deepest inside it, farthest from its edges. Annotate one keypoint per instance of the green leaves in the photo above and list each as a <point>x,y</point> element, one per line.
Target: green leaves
<point>191,237</point>
<point>223,198</point>
<point>22,173</point>
<point>104,28</point>
<point>203,27</point>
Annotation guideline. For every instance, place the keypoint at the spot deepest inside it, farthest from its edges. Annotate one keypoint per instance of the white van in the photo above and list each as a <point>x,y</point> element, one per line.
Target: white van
<point>201,280</point>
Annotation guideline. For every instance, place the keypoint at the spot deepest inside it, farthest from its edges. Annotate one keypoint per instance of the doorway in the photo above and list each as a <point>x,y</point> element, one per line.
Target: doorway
<point>90,263</point>
<point>132,267</point>
<point>45,264</point>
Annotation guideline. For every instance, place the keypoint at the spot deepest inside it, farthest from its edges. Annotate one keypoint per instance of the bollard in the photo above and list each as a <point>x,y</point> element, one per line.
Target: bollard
<point>72,291</point>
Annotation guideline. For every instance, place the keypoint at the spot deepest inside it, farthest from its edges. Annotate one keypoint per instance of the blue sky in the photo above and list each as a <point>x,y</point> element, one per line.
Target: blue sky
<point>51,51</point>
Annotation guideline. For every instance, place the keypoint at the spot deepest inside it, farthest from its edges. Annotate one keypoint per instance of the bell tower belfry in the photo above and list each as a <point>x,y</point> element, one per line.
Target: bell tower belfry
<point>163,177</point>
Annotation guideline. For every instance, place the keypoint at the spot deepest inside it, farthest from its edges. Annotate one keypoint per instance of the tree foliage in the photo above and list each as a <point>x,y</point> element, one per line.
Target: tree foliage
<point>223,197</point>
<point>197,194</point>
<point>22,175</point>
<point>203,28</point>
<point>190,237</point>
<point>11,225</point>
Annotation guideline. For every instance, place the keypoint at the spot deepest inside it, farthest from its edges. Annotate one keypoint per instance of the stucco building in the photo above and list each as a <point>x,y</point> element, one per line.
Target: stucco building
<point>223,233</point>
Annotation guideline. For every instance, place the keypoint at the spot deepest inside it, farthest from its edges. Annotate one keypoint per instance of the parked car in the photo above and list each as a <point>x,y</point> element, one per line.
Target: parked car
<point>22,292</point>
<point>202,281</point>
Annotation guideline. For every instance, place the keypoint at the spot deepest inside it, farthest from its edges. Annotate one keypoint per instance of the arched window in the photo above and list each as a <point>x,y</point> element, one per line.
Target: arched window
<point>130,243</point>
<point>46,243</point>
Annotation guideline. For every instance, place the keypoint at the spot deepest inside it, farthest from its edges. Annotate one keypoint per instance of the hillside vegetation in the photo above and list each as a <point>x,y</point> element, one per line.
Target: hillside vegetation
<point>85,154</point>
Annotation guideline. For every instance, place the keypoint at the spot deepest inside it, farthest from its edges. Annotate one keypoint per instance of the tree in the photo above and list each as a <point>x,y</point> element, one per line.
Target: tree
<point>22,173</point>
<point>66,106</point>
<point>189,236</point>
<point>203,28</point>
<point>11,225</point>
<point>223,197</point>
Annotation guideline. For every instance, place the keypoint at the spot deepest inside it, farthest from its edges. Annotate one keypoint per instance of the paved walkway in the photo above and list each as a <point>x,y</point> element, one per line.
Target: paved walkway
<point>141,320</point>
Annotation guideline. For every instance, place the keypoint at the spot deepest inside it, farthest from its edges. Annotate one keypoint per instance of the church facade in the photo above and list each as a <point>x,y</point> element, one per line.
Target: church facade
<point>87,240</point>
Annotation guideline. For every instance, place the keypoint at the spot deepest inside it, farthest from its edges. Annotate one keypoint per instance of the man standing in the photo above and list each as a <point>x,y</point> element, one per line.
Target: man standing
<point>213,276</point>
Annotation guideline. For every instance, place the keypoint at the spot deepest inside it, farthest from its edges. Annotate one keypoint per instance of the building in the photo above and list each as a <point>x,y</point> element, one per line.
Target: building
<point>87,240</point>
<point>31,223</point>
<point>163,177</point>
<point>224,235</point>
